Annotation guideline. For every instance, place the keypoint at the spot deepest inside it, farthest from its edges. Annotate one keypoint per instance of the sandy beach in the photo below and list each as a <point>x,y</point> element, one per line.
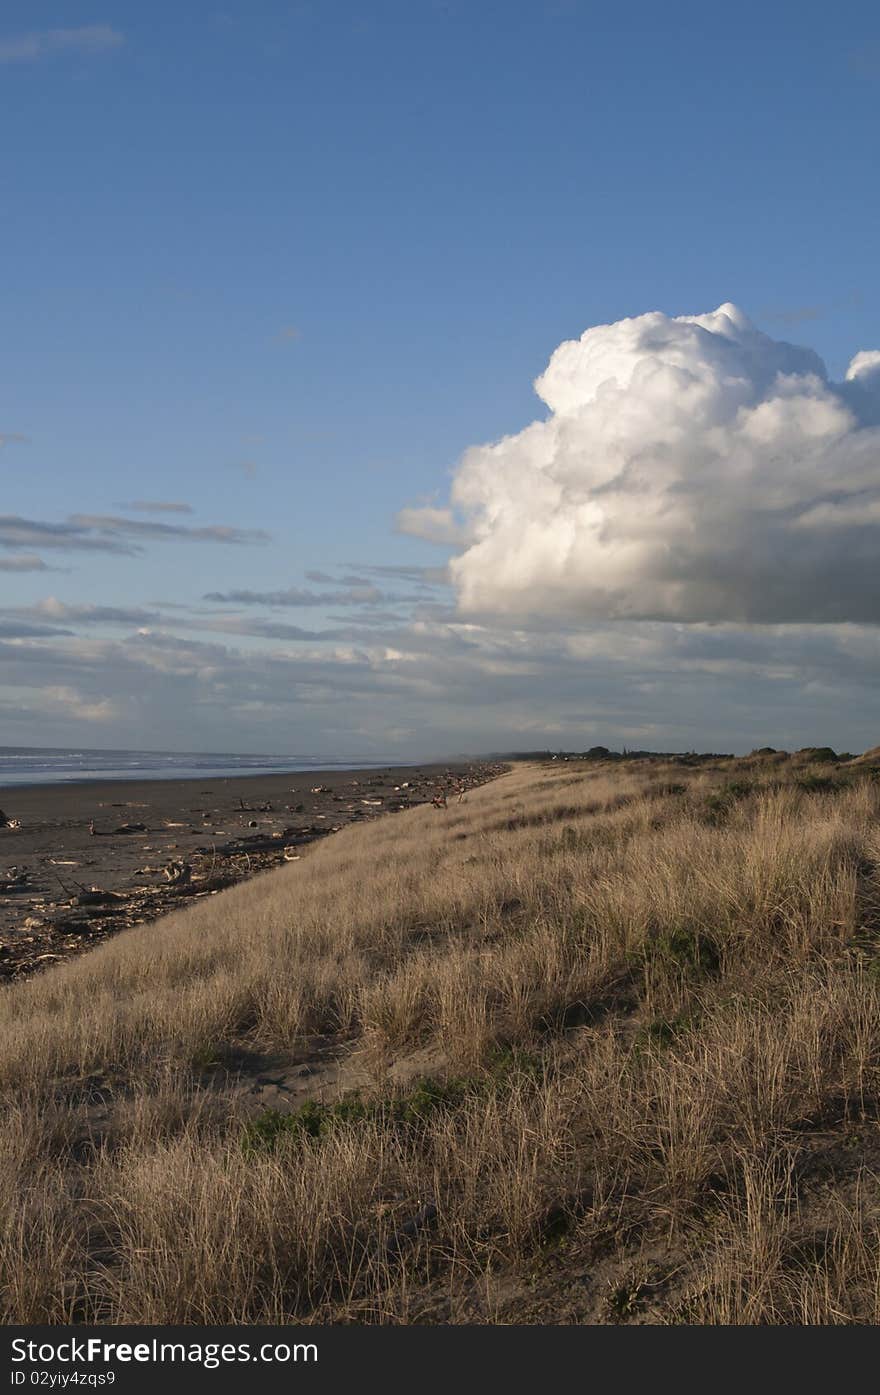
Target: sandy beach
<point>81,861</point>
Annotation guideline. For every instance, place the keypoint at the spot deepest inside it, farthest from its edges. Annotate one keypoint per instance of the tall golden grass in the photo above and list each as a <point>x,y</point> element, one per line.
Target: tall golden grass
<point>646,999</point>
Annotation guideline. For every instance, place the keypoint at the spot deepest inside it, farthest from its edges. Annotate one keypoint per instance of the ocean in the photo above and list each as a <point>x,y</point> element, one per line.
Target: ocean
<point>41,765</point>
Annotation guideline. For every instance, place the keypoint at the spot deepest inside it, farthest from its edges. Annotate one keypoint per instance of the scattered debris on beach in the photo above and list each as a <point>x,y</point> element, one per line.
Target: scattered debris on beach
<point>47,915</point>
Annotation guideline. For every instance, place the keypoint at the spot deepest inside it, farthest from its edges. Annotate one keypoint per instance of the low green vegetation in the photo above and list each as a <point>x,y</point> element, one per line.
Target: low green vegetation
<point>426,1097</point>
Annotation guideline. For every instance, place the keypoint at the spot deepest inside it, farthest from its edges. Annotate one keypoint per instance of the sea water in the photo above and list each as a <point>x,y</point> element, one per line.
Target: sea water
<point>39,765</point>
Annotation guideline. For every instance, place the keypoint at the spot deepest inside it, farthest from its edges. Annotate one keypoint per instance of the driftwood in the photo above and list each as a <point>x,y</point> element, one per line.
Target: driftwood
<point>178,873</point>
<point>79,915</point>
<point>204,885</point>
<point>15,879</point>
<point>270,842</point>
<point>95,896</point>
<point>122,828</point>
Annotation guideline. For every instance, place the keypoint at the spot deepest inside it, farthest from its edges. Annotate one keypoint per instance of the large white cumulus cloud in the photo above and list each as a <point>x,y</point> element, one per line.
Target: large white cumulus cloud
<point>689,469</point>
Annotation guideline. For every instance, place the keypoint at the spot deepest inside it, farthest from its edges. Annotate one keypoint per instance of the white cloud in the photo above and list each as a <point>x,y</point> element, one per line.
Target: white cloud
<point>690,469</point>
<point>63,701</point>
<point>432,524</point>
<point>864,366</point>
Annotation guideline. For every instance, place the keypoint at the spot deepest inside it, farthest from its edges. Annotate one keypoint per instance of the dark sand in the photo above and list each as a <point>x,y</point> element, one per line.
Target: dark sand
<point>63,888</point>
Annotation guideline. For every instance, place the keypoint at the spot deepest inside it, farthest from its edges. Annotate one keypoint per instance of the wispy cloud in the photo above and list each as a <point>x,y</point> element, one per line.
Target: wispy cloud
<point>54,609</point>
<point>426,576</point>
<point>13,628</point>
<point>263,629</point>
<point>432,525</point>
<point>456,686</point>
<point>155,506</point>
<point>89,38</point>
<point>300,596</point>
<point>84,532</point>
<point>17,532</point>
<point>9,438</point>
<point>24,562</point>
<point>108,525</point>
<point>349,580</point>
<point>63,701</point>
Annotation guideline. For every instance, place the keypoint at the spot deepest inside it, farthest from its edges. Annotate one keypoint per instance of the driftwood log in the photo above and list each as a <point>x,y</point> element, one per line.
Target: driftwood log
<point>16,877</point>
<point>178,873</point>
<point>96,896</point>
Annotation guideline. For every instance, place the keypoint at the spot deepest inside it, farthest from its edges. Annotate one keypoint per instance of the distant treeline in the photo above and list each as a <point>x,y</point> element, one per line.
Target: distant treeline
<point>813,753</point>
<point>603,753</point>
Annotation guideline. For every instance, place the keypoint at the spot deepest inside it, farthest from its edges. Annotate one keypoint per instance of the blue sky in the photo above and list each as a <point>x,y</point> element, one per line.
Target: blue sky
<point>286,263</point>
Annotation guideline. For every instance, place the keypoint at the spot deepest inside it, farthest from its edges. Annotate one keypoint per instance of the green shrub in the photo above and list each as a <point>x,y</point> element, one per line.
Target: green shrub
<point>687,949</point>
<point>269,1130</point>
<point>815,784</point>
<point>665,1031</point>
<point>721,801</point>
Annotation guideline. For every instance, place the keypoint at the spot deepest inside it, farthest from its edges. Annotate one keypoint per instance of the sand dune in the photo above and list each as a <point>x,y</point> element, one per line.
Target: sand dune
<point>598,1044</point>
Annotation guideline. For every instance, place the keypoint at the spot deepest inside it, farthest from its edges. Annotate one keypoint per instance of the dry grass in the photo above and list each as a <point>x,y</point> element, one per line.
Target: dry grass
<point>648,996</point>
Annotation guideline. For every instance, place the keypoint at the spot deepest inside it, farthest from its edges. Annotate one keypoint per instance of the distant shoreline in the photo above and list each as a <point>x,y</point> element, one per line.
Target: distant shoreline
<point>29,766</point>
<point>64,780</point>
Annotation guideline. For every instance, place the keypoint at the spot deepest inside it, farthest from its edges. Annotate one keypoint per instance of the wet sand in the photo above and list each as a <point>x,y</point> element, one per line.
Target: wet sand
<point>89,859</point>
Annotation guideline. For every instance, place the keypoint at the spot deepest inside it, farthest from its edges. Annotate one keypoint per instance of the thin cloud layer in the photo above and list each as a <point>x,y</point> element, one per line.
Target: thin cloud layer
<point>53,609</point>
<point>108,525</point>
<point>447,686</point>
<point>690,469</point>
<point>300,596</point>
<point>107,533</point>
<point>431,525</point>
<point>425,576</point>
<point>23,562</point>
<point>17,533</point>
<point>155,506</point>
<point>88,38</point>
